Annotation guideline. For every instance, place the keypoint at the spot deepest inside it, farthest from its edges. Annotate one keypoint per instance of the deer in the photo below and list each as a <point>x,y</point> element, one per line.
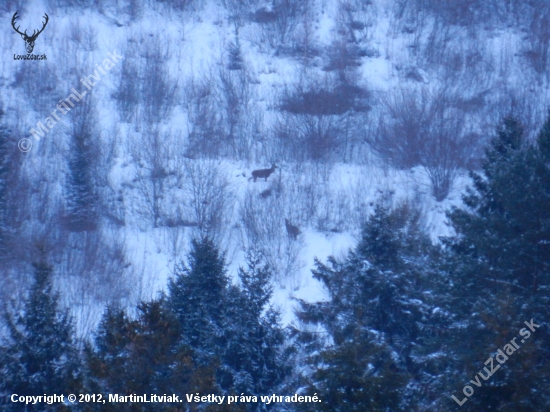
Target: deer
<point>29,40</point>
<point>263,173</point>
<point>291,230</point>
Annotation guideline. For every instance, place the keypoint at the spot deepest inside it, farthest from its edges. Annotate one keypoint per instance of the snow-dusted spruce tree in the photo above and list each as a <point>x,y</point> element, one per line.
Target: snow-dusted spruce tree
<point>143,356</point>
<point>255,359</point>
<point>82,213</point>
<point>197,295</point>
<point>233,327</point>
<point>373,317</point>
<point>39,356</point>
<point>500,275</point>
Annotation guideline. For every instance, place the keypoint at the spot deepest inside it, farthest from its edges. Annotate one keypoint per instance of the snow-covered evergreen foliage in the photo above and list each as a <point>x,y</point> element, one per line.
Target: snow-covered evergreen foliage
<point>38,356</point>
<point>374,317</point>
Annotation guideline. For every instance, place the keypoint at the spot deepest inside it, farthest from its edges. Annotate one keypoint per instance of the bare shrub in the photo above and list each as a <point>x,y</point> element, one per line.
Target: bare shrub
<point>349,40</point>
<point>404,123</point>
<point>158,89</point>
<point>204,125</point>
<point>175,239</point>
<point>264,229</point>
<point>75,3</point>
<point>145,83</point>
<point>84,37</point>
<point>538,39</point>
<point>40,85</point>
<point>221,119</point>
<point>424,129</point>
<point>181,5</point>
<point>128,90</point>
<point>153,172</point>
<point>457,12</point>
<point>313,121</point>
<point>234,95</point>
<point>92,270</point>
<point>207,197</point>
<point>278,24</point>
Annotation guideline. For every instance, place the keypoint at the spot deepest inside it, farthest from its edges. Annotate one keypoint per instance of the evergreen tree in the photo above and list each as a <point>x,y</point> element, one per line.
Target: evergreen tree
<point>255,360</point>
<point>144,356</point>
<point>81,196</point>
<point>235,53</point>
<point>39,356</point>
<point>231,326</point>
<point>197,295</point>
<point>373,317</point>
<point>499,273</point>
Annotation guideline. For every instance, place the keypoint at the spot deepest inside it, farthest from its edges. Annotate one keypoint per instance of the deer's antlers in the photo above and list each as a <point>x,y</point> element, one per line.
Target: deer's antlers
<point>34,33</point>
<point>13,24</point>
<point>43,26</point>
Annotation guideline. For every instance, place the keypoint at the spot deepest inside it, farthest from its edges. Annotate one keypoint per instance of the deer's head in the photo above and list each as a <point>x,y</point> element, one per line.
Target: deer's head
<point>29,40</point>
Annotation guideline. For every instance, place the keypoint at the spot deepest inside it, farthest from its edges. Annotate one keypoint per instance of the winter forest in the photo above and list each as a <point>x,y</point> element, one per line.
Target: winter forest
<point>340,201</point>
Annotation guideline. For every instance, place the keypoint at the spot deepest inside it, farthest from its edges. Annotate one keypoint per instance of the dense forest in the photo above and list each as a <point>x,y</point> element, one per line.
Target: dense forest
<point>342,200</point>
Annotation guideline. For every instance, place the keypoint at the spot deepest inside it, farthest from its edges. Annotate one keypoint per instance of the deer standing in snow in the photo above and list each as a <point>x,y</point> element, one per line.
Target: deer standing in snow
<point>263,173</point>
<point>291,230</point>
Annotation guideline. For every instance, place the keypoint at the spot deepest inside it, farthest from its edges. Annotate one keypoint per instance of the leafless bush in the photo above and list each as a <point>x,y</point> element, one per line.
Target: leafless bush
<point>175,238</point>
<point>153,172</point>
<point>457,12</point>
<point>424,129</point>
<point>349,40</point>
<point>92,270</point>
<point>128,90</point>
<point>207,197</point>
<point>234,96</point>
<point>158,90</point>
<point>325,198</point>
<point>203,121</point>
<point>264,228</point>
<point>181,5</point>
<point>40,85</point>
<point>221,119</point>
<point>309,137</point>
<point>539,39</point>
<point>84,37</point>
<point>278,26</point>
<point>239,10</point>
<point>74,3</point>
<point>145,83</point>
<point>314,120</point>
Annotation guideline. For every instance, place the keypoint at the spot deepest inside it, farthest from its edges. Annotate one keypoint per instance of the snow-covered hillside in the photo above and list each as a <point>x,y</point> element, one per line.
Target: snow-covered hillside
<point>355,102</point>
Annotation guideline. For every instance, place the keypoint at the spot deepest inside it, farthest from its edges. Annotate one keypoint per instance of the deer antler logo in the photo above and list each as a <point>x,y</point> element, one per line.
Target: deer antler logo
<point>29,40</point>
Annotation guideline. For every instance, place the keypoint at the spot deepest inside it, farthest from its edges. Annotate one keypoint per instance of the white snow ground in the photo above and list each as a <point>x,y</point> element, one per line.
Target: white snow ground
<point>196,44</point>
